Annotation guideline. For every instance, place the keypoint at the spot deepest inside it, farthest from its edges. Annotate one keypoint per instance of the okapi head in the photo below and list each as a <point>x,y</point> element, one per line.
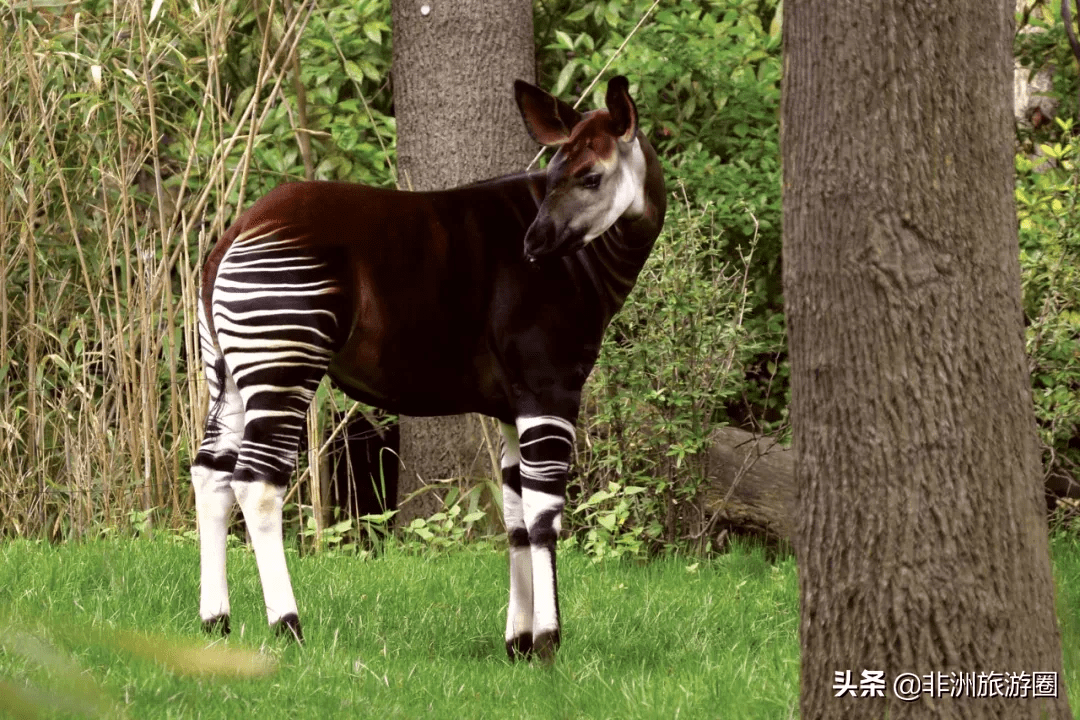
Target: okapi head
<point>596,177</point>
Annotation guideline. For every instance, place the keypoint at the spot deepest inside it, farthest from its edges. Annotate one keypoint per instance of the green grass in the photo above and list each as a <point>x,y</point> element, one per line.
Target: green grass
<point>408,636</point>
<point>1065,554</point>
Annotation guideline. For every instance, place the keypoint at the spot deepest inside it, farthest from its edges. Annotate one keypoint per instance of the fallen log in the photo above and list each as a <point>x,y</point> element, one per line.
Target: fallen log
<point>751,484</point>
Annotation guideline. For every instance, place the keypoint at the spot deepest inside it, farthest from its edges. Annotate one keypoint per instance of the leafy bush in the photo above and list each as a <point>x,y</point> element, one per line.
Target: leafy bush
<point>671,362</point>
<point>1048,203</point>
<point>1041,45</point>
<point>707,77</point>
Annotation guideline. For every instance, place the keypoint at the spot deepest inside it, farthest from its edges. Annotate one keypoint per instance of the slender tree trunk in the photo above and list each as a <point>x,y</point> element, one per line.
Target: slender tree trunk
<point>455,62</point>
<point>921,536</point>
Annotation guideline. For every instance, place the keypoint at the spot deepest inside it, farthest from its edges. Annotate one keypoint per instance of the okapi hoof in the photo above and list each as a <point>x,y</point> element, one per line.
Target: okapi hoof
<point>519,647</point>
<point>545,644</point>
<point>215,625</point>
<point>289,626</point>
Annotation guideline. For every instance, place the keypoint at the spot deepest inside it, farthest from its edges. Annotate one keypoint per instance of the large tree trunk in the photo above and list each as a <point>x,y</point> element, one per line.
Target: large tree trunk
<point>921,538</point>
<point>455,62</point>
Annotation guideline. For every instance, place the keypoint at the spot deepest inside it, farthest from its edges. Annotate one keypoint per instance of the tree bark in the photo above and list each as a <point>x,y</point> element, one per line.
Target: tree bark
<point>921,538</point>
<point>455,62</point>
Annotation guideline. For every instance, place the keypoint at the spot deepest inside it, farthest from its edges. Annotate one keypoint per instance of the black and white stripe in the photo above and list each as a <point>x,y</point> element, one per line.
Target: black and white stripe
<point>536,460</point>
<point>275,324</point>
<point>275,313</point>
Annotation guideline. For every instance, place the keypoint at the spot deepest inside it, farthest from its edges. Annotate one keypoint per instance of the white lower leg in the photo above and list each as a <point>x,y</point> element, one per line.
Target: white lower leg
<point>546,443</point>
<point>213,506</point>
<point>544,591</point>
<point>541,508</point>
<point>519,614</point>
<point>261,503</point>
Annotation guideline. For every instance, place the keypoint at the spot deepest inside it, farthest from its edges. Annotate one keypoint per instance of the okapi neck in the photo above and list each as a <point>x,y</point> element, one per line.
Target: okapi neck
<point>641,232</point>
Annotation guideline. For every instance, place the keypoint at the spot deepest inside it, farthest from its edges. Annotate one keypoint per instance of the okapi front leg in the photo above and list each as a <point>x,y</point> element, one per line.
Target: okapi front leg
<point>519,614</point>
<point>545,446</point>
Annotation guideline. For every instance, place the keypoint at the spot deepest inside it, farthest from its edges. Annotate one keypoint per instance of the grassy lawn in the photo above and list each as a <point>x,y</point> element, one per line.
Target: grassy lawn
<point>410,636</point>
<point>421,636</point>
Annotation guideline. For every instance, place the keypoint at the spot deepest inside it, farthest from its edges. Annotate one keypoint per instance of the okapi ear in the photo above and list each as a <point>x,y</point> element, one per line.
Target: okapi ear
<point>548,119</point>
<point>621,107</point>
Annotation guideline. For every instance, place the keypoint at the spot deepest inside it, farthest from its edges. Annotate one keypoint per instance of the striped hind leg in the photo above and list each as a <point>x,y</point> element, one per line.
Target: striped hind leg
<point>211,476</point>
<point>545,444</point>
<point>276,314</point>
<point>276,392</point>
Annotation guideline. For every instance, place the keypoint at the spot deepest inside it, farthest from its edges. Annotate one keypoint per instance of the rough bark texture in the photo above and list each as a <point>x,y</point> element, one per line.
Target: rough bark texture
<point>921,537</point>
<point>455,62</point>
<point>454,72</point>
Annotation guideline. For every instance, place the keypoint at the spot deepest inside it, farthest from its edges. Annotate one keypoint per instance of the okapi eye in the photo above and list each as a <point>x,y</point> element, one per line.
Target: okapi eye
<point>591,181</point>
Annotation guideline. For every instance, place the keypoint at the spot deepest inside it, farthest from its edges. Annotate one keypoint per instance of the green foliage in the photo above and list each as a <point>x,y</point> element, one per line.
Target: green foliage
<point>1048,203</point>
<point>342,61</point>
<point>613,520</point>
<point>100,402</point>
<point>1041,44</point>
<point>333,536</point>
<point>453,525</point>
<point>707,76</point>
<point>671,363</point>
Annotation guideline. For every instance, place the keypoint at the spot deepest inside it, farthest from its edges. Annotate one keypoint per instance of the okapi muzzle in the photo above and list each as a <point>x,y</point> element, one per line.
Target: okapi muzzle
<point>597,175</point>
<point>546,237</point>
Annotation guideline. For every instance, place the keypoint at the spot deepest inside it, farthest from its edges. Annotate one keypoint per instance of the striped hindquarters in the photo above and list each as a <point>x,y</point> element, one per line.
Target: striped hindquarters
<point>276,311</point>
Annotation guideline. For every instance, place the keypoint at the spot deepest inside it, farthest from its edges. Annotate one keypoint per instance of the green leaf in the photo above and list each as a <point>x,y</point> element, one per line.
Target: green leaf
<point>353,71</point>
<point>371,29</point>
<point>777,24</point>
<point>597,497</point>
<point>564,78</point>
<point>1051,152</point>
<point>579,15</point>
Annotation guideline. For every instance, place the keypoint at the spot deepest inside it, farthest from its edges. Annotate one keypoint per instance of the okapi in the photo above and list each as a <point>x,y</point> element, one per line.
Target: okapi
<point>491,298</point>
